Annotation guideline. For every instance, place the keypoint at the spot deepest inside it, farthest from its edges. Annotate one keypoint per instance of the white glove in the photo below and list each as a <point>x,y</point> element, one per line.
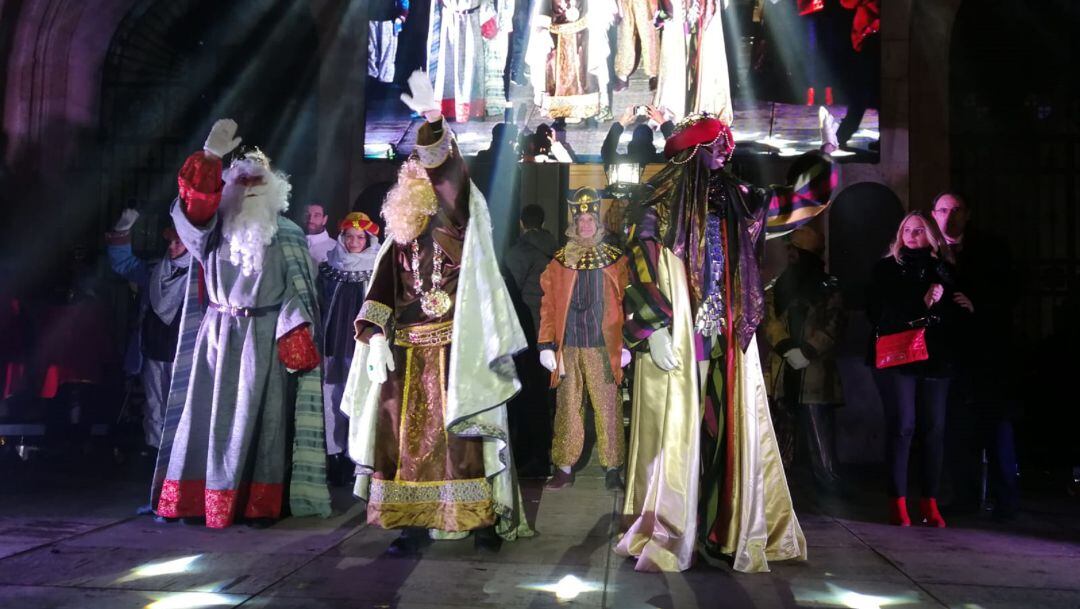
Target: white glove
<point>547,360</point>
<point>624,359</point>
<point>126,221</point>
<point>379,359</point>
<point>222,139</point>
<point>662,351</point>
<point>796,359</point>
<point>422,101</point>
<point>828,125</point>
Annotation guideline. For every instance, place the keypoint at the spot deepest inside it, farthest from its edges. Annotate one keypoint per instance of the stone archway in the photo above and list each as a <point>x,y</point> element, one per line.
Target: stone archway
<point>174,66</point>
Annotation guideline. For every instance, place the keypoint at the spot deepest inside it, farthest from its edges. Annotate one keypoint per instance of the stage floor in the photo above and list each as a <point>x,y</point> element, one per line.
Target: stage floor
<point>784,129</point>
<point>68,540</point>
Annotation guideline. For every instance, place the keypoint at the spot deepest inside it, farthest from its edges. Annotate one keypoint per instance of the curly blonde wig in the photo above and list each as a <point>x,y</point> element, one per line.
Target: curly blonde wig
<point>409,204</point>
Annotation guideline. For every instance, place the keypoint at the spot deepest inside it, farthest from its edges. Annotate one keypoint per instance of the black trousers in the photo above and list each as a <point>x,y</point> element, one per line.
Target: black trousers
<point>913,404</point>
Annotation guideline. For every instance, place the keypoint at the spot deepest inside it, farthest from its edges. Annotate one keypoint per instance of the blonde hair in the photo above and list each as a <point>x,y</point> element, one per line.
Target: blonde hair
<point>939,248</point>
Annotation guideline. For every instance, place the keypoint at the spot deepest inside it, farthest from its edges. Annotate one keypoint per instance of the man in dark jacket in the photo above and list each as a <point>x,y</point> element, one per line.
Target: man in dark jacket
<point>982,401</point>
<point>527,259</point>
<point>531,410</point>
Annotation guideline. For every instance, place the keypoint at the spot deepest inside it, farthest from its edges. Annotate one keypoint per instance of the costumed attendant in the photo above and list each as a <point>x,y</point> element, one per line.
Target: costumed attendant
<point>343,281</point>
<point>457,31</point>
<point>701,422</point>
<point>581,341</point>
<point>226,451</point>
<point>161,286</point>
<point>427,391</point>
<point>568,58</point>
<point>693,73</point>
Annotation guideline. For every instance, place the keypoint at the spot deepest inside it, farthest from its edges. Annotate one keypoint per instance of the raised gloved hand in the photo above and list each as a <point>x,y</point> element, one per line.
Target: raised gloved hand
<point>379,359</point>
<point>126,221</point>
<point>422,98</point>
<point>547,360</point>
<point>662,350</point>
<point>222,139</point>
<point>624,358</point>
<point>796,358</point>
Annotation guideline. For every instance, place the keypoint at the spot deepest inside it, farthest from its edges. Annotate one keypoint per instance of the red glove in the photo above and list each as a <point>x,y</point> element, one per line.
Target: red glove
<point>200,187</point>
<point>297,349</point>
<point>489,29</point>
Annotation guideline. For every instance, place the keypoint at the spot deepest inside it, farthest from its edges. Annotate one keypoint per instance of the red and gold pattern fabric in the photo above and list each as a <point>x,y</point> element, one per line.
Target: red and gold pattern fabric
<point>220,507</point>
<point>200,186</point>
<point>297,350</point>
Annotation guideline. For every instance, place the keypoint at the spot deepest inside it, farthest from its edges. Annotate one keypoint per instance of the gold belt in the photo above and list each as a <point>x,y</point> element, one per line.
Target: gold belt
<point>426,335</point>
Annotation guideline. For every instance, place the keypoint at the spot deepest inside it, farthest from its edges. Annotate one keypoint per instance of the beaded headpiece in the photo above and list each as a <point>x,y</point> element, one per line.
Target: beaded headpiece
<point>584,201</point>
<point>697,130</point>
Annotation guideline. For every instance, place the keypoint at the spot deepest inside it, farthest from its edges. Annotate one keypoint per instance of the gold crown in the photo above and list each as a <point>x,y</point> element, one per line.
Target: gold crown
<point>584,201</point>
<point>255,156</point>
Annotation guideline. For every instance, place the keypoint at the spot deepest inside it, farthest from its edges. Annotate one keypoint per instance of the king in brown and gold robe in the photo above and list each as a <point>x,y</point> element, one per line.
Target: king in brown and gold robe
<point>430,442</point>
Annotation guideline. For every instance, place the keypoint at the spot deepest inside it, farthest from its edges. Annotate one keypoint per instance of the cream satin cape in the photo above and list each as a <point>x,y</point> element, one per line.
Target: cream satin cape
<point>662,492</point>
<point>480,380</point>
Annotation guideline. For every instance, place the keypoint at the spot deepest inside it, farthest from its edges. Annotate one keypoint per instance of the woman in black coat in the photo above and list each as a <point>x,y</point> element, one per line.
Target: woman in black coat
<point>914,285</point>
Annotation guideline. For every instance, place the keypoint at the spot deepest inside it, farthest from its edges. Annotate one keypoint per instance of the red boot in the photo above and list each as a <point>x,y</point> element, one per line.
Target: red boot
<point>810,96</point>
<point>828,96</point>
<point>931,515</point>
<point>898,512</point>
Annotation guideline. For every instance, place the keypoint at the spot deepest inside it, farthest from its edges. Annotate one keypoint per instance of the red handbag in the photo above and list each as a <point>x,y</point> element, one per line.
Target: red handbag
<point>901,348</point>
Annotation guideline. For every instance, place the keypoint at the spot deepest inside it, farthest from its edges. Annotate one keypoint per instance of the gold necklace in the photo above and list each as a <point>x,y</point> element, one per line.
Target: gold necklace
<point>435,302</point>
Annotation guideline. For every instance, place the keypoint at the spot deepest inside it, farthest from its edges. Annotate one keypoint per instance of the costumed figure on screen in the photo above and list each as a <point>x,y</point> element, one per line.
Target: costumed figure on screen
<point>427,391</point>
<point>804,315</point>
<point>496,53</point>
<point>568,59</point>
<point>702,448</point>
<point>580,341</point>
<point>458,32</point>
<point>693,75</point>
<point>343,281</point>
<point>386,18</point>
<point>637,30</point>
<point>226,451</point>
<point>161,286</point>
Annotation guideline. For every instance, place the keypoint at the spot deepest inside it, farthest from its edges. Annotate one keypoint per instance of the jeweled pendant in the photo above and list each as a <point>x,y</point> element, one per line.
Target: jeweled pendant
<point>435,303</point>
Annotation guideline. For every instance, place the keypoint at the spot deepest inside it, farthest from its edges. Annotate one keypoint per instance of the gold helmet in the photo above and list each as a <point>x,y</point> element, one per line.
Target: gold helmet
<point>585,201</point>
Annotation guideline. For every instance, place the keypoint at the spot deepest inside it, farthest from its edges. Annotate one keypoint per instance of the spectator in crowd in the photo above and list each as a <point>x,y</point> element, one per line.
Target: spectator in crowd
<point>530,412</point>
<point>640,149</point>
<point>914,285</point>
<point>503,137</point>
<point>982,398</point>
<point>319,241</point>
<point>527,259</point>
<point>161,284</point>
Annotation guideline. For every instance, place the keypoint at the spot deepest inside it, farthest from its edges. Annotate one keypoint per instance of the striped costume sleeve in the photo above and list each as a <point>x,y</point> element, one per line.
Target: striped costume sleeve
<point>789,207</point>
<point>647,309</point>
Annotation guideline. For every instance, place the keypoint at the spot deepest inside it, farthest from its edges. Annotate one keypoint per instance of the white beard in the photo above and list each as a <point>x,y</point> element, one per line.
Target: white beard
<point>249,215</point>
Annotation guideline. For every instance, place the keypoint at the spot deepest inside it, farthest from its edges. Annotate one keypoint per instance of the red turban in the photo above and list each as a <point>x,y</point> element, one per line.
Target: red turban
<point>360,221</point>
<point>699,130</point>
